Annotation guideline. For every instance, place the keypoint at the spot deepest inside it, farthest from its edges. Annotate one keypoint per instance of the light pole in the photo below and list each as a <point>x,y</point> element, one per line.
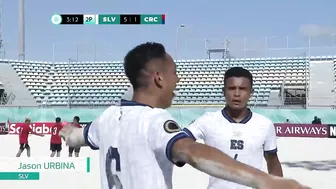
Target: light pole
<point>207,54</point>
<point>69,82</point>
<point>77,50</point>
<point>177,36</point>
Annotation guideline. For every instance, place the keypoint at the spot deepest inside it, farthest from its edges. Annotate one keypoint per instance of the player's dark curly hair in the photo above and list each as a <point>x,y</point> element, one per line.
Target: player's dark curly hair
<point>137,59</point>
<point>238,72</point>
<point>58,120</point>
<point>76,118</point>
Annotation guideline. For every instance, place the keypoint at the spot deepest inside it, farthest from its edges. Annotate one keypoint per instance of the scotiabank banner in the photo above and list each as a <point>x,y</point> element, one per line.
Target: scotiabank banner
<point>301,130</point>
<point>38,127</point>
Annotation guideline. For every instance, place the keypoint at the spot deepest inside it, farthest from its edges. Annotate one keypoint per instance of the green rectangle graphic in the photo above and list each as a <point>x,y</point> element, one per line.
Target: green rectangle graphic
<point>88,166</point>
<point>19,176</point>
<point>151,19</point>
<point>109,19</point>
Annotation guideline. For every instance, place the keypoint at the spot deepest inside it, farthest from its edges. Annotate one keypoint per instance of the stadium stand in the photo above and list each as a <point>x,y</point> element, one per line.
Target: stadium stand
<point>22,79</point>
<point>87,83</point>
<point>277,81</point>
<point>202,80</point>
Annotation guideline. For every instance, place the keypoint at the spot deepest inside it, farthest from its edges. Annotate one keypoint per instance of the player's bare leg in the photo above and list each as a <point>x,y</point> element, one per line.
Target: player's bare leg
<point>71,150</point>
<point>58,154</point>
<point>28,151</point>
<point>19,153</point>
<point>52,154</point>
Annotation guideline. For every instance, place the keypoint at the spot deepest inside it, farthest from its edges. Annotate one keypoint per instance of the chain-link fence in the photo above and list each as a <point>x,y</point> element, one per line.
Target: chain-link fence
<point>187,47</point>
<point>286,46</point>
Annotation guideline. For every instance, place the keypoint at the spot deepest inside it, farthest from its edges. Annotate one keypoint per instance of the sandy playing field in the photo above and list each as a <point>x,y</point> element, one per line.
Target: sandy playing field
<point>318,170</point>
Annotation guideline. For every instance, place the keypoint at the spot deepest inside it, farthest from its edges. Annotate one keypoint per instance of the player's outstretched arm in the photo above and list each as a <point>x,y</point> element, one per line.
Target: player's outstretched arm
<point>215,163</point>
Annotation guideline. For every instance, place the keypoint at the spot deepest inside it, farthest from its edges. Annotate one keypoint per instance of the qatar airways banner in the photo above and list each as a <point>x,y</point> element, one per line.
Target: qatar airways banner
<point>302,130</point>
<point>38,127</point>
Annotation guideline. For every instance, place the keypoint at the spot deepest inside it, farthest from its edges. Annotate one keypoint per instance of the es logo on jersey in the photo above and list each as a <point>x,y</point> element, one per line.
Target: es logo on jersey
<point>171,126</point>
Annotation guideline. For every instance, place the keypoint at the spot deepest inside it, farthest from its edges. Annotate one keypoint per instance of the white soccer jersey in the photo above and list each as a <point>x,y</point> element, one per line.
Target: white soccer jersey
<point>135,143</point>
<point>246,141</point>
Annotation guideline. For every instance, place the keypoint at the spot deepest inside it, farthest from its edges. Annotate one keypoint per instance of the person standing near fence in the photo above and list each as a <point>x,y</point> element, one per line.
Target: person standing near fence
<point>76,149</point>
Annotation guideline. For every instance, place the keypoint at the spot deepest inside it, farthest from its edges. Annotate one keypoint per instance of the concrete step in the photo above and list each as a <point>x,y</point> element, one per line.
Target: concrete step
<point>12,83</point>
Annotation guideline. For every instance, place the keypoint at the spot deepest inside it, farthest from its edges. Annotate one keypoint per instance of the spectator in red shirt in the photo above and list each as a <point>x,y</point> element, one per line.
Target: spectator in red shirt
<point>71,149</point>
<point>24,132</point>
<point>55,139</point>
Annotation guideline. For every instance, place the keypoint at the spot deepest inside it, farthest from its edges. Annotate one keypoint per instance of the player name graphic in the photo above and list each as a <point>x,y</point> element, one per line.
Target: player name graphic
<point>46,165</point>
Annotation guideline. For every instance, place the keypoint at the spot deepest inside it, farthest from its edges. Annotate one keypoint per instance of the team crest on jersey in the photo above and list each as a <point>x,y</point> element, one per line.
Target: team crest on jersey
<point>171,126</point>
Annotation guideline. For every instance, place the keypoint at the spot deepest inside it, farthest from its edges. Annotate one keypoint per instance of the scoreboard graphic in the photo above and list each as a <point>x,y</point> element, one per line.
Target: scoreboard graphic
<point>106,19</point>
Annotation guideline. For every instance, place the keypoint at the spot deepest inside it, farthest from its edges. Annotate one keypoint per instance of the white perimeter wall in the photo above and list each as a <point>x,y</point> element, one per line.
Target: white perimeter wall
<point>290,149</point>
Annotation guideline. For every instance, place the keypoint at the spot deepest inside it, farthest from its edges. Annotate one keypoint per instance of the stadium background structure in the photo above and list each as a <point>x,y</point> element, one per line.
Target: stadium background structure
<point>287,82</point>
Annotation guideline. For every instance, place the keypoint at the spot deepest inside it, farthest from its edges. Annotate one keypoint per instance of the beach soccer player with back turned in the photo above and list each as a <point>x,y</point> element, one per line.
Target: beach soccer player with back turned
<point>139,141</point>
<point>24,132</point>
<point>55,139</point>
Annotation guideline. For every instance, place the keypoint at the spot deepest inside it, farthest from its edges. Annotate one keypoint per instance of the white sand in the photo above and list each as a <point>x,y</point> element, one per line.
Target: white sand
<point>290,149</point>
